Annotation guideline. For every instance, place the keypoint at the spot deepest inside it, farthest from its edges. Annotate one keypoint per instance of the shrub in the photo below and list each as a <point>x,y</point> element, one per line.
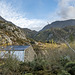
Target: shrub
<point>24,67</point>
<point>10,66</point>
<point>64,60</point>
<point>64,73</point>
<point>71,38</point>
<point>39,64</point>
<point>70,67</point>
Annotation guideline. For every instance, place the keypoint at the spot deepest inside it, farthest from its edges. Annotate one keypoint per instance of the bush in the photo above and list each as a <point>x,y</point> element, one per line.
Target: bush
<point>24,67</point>
<point>64,73</point>
<point>10,66</point>
<point>38,64</point>
<point>70,67</point>
<point>64,60</point>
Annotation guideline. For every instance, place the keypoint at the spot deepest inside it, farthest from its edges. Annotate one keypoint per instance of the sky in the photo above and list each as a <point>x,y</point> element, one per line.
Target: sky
<point>35,14</point>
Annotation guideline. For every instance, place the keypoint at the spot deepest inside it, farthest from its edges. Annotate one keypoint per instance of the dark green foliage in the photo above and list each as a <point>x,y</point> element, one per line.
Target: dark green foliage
<point>38,64</point>
<point>70,67</point>
<point>64,73</point>
<point>29,33</point>
<point>56,34</point>
<point>64,60</point>
<point>24,67</point>
<point>71,38</point>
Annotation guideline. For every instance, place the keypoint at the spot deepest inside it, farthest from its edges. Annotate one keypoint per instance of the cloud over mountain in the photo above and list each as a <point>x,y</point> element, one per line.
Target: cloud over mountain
<point>10,13</point>
<point>67,9</point>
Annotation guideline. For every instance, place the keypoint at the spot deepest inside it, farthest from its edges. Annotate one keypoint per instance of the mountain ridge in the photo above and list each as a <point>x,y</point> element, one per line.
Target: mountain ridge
<point>60,24</point>
<point>10,33</point>
<point>1,18</point>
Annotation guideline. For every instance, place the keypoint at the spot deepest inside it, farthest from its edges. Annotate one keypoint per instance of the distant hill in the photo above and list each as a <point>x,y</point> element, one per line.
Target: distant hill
<point>65,29</point>
<point>56,34</point>
<point>60,24</point>
<point>10,33</point>
<point>29,33</point>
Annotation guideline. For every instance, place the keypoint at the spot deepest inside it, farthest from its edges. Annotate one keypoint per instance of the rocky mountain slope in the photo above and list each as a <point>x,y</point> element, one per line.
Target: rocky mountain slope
<point>29,33</point>
<point>60,24</point>
<point>2,19</point>
<point>57,30</point>
<point>10,33</point>
<point>67,33</point>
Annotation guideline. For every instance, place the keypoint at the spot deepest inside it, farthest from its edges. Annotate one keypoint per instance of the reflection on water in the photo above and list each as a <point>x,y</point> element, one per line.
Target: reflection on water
<point>18,54</point>
<point>17,51</point>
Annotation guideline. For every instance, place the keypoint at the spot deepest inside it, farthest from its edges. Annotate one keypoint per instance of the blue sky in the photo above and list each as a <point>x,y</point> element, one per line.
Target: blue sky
<point>39,9</point>
<point>34,14</point>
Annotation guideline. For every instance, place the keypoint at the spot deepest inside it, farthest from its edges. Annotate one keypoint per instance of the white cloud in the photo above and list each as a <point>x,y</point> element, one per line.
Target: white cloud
<point>11,14</point>
<point>67,9</point>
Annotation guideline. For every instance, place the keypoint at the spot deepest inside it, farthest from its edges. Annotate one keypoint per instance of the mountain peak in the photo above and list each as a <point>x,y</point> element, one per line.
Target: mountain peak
<point>60,24</point>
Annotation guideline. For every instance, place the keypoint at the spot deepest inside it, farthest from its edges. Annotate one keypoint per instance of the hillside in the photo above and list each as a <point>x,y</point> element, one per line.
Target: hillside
<point>50,59</point>
<point>2,19</point>
<point>60,24</point>
<point>68,33</point>
<point>56,30</point>
<point>29,33</point>
<point>10,33</point>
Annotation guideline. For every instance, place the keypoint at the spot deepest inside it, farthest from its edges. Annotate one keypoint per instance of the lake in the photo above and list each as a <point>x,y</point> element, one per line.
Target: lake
<point>17,51</point>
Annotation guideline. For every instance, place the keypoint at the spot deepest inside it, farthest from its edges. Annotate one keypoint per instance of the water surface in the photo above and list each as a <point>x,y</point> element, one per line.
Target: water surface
<point>17,51</point>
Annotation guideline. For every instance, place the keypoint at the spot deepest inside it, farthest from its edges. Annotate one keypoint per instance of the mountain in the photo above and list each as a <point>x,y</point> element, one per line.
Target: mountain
<point>10,33</point>
<point>29,33</point>
<point>60,24</point>
<point>2,19</point>
<point>57,30</point>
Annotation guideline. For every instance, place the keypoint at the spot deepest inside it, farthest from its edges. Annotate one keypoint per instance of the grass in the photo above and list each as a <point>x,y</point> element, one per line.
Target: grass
<point>51,60</point>
<point>53,52</point>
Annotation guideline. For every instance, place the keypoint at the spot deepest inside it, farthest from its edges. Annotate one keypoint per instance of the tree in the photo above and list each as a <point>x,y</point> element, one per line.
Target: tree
<point>71,38</point>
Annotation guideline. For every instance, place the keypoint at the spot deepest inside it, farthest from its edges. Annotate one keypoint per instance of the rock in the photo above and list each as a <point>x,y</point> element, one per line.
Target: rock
<point>11,33</point>
<point>29,54</point>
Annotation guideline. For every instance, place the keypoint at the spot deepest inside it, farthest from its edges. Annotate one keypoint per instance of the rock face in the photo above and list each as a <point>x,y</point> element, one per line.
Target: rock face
<point>10,33</point>
<point>29,54</point>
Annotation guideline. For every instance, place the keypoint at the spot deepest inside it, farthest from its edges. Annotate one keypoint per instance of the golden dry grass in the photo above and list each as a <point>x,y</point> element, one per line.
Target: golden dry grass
<point>54,52</point>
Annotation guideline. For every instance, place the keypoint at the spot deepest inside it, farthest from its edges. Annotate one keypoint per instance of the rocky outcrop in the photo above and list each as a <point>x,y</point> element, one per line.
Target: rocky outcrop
<point>10,33</point>
<point>29,54</point>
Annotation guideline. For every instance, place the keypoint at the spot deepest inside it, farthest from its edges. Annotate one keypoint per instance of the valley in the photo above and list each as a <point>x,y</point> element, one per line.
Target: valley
<point>52,49</point>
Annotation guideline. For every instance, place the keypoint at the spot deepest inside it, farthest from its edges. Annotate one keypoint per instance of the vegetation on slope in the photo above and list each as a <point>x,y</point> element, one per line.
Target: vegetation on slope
<point>9,33</point>
<point>67,33</point>
<point>29,33</point>
<point>53,58</point>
